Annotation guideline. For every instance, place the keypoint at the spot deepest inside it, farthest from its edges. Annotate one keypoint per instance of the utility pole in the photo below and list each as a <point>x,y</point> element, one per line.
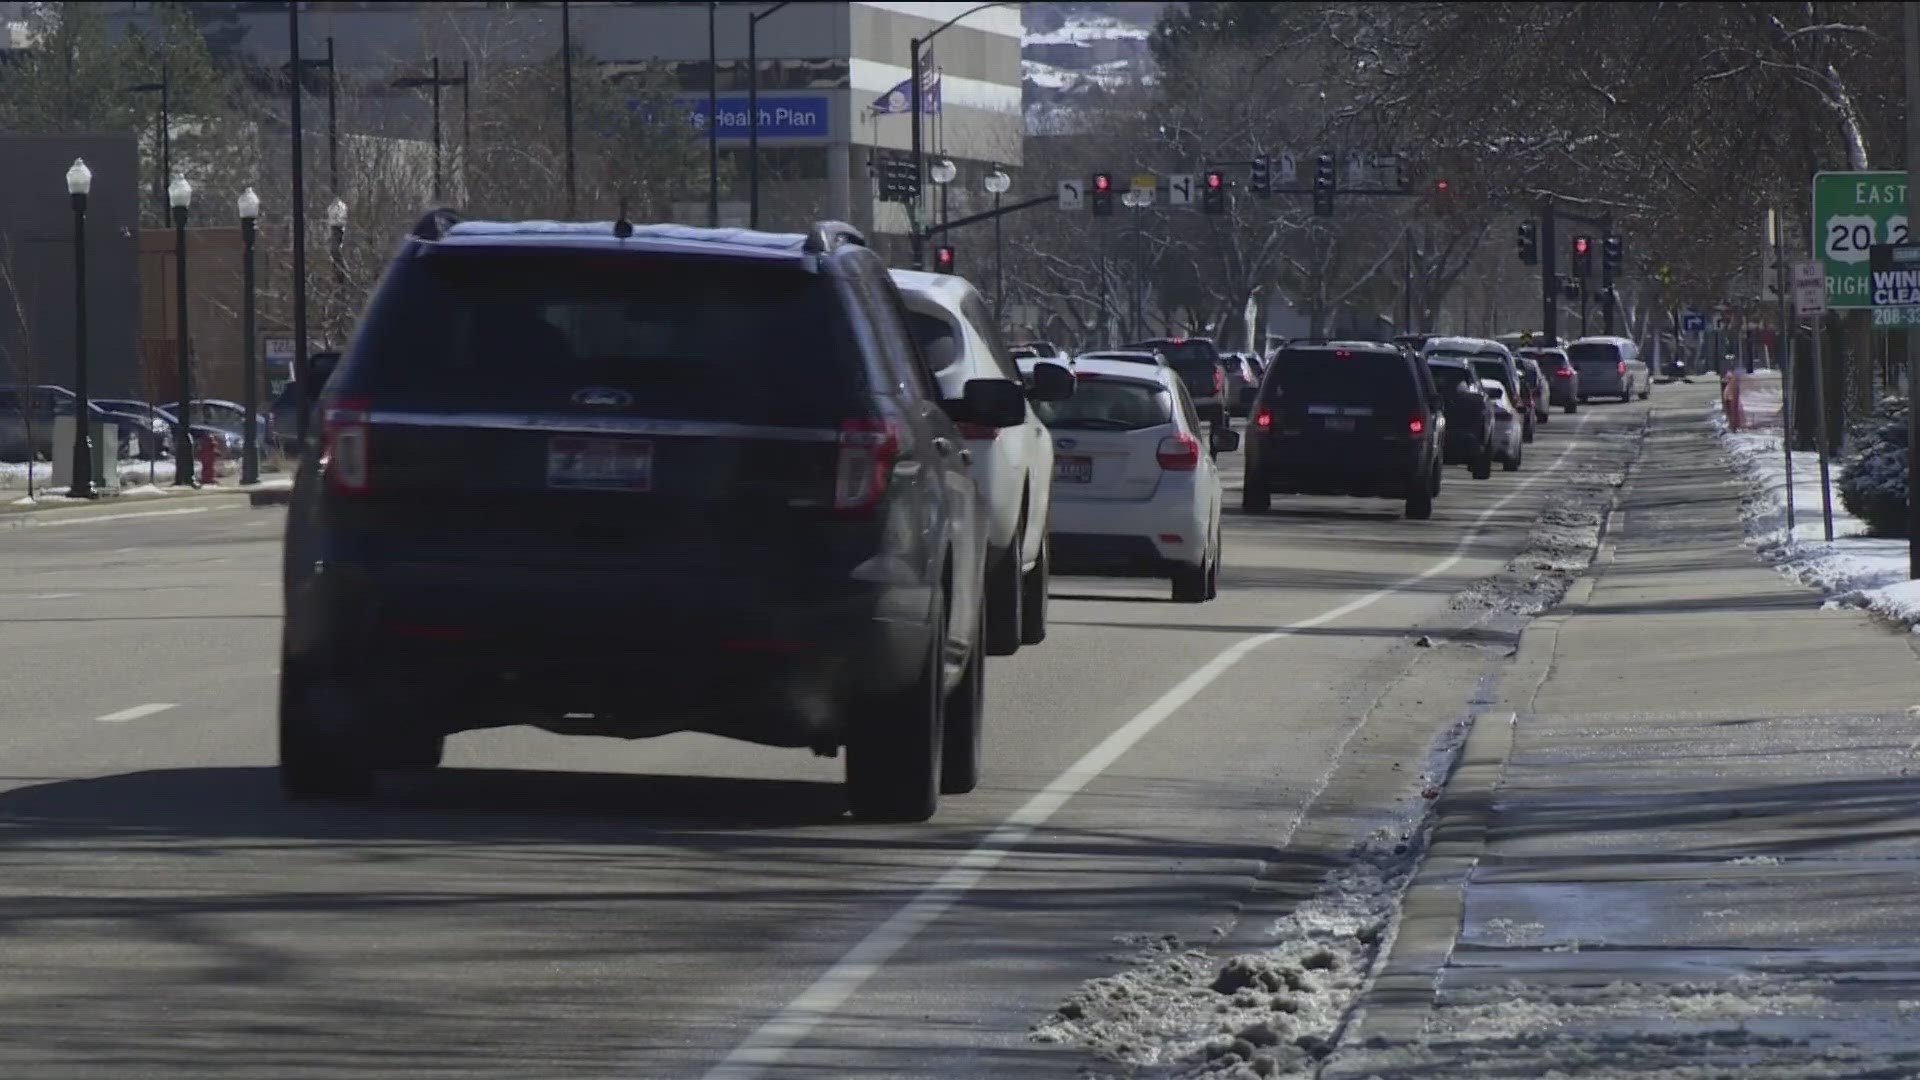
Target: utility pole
<point>1606,276</point>
<point>1549,277</point>
<point>1912,28</point>
<point>1776,236</point>
<point>566,91</point>
<point>1406,280</point>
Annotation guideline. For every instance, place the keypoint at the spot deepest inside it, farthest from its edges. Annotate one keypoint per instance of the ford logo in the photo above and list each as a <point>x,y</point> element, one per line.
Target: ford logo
<point>1065,444</point>
<point>602,397</point>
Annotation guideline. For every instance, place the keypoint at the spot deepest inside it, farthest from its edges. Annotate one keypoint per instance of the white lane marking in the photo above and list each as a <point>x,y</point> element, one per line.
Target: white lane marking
<point>768,1044</point>
<point>174,512</point>
<point>54,596</point>
<point>135,713</point>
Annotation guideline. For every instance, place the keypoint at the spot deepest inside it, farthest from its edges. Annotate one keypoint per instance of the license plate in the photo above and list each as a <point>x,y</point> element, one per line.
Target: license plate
<point>1073,470</point>
<point>1339,423</point>
<point>600,464</point>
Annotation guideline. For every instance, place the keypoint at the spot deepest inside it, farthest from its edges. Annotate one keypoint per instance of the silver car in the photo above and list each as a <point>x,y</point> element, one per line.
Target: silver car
<point>1609,367</point>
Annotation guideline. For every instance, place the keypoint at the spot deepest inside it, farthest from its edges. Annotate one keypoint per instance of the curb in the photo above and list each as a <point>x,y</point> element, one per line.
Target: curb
<point>1395,1006</point>
<point>117,507</point>
<point>271,497</point>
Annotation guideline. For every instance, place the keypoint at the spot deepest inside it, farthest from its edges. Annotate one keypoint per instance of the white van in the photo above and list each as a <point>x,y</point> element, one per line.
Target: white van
<point>1609,367</point>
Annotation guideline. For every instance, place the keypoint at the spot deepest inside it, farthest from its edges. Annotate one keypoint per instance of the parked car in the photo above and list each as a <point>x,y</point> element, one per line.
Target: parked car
<point>1469,436</point>
<point>630,481</point>
<point>1198,362</point>
<point>1610,366</point>
<point>1357,418</point>
<point>229,416</point>
<point>48,403</point>
<point>1507,437</point>
<point>1136,488</point>
<point>1011,466</point>
<point>1562,378</point>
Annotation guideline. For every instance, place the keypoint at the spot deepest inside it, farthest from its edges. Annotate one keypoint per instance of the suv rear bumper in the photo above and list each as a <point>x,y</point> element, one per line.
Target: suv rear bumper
<point>1464,444</point>
<point>1383,477</point>
<point>445,650</point>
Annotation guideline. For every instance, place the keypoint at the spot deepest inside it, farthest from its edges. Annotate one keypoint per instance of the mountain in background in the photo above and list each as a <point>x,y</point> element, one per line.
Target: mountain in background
<point>1073,54</point>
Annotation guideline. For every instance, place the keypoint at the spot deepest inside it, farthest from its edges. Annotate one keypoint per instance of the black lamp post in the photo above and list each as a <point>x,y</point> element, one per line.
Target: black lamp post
<point>299,209</point>
<point>249,206</point>
<point>753,112</point>
<point>566,91</point>
<point>163,136</point>
<point>997,183</point>
<point>337,233</point>
<point>180,198</point>
<point>919,94</point>
<point>296,73</point>
<point>713,117</point>
<point>79,182</point>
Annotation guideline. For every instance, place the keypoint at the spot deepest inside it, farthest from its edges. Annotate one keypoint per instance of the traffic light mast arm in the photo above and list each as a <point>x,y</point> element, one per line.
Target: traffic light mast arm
<point>932,231</point>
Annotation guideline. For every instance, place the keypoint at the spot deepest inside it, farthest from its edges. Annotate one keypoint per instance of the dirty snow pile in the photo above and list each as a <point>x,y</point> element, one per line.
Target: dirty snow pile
<point>1558,550</point>
<point>1855,569</point>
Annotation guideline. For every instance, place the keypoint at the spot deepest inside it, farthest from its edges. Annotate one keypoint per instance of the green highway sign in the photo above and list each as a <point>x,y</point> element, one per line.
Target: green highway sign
<point>1852,211</point>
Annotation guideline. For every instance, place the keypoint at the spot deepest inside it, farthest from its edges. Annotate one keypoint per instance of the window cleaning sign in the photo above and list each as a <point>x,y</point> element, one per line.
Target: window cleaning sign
<point>1894,284</point>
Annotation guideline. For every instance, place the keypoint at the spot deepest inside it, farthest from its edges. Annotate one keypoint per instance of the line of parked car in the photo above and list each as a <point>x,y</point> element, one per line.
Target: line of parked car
<point>141,429</point>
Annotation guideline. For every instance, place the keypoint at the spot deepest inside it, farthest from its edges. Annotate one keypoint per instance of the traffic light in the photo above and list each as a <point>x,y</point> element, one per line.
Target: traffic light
<point>1323,184</point>
<point>1260,177</point>
<point>1529,244</point>
<point>1213,193</point>
<point>899,180</point>
<point>1442,197</point>
<point>1613,254</point>
<point>1583,257</point>
<point>943,259</point>
<point>1102,189</point>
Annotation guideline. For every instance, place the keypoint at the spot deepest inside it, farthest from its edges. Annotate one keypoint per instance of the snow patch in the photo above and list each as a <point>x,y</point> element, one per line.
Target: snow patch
<point>1559,549</point>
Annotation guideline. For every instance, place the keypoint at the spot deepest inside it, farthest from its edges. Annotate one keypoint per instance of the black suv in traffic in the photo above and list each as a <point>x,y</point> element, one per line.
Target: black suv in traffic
<point>617,480</point>
<point>1201,366</point>
<point>1469,437</point>
<point>1345,418</point>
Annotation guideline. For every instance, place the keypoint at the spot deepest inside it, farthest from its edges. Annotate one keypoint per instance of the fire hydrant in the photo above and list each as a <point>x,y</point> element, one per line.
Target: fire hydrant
<point>208,455</point>
<point>1730,401</point>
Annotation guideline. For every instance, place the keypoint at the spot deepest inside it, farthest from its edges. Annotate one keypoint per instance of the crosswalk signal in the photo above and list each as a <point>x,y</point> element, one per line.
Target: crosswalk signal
<point>1213,193</point>
<point>1583,257</point>
<point>1613,254</point>
<point>1529,244</point>
<point>943,259</point>
<point>1102,189</point>
<point>1323,184</point>
<point>1260,176</point>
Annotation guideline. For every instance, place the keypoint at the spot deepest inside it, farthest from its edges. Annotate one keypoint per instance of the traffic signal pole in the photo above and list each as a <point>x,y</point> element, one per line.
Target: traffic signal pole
<point>1606,275</point>
<point>1549,274</point>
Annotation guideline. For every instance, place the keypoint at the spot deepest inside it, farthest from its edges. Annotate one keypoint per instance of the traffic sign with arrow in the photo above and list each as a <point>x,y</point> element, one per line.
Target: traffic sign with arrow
<point>1069,194</point>
<point>1180,189</point>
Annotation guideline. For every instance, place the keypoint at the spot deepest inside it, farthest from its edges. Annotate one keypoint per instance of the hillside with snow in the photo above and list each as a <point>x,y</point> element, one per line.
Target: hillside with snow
<point>1074,54</point>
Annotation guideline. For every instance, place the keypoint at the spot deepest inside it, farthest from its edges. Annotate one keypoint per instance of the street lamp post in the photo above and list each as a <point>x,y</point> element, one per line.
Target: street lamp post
<point>180,198</point>
<point>299,210</point>
<point>713,116</point>
<point>1138,199</point>
<point>249,207</point>
<point>918,94</point>
<point>434,80</point>
<point>163,137</point>
<point>79,182</point>
<point>942,174</point>
<point>566,92</point>
<point>753,112</point>
<point>997,183</point>
<point>337,250</point>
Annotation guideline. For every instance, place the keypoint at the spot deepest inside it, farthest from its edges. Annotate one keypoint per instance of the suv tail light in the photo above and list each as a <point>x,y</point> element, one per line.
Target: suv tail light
<point>1416,426</point>
<point>1563,373</point>
<point>1219,381</point>
<point>1263,419</point>
<point>1179,453</point>
<point>344,447</point>
<point>868,449</point>
<point>1623,367</point>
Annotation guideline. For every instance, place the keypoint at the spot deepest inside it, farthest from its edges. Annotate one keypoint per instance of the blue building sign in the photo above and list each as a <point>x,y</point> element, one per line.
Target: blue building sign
<point>780,117</point>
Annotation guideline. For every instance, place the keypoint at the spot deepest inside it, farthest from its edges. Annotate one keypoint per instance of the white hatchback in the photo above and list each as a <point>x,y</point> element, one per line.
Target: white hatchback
<point>1136,491</point>
<point>1508,432</point>
<point>1012,467</point>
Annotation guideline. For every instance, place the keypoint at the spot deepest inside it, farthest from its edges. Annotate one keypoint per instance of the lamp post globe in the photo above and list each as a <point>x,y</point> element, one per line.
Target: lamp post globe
<point>248,204</point>
<point>337,214</point>
<point>997,182</point>
<point>80,484</point>
<point>944,171</point>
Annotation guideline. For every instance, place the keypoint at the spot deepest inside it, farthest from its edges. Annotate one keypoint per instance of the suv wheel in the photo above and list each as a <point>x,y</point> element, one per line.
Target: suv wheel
<point>893,751</point>
<point>1033,606</point>
<point>1526,430</point>
<point>1190,582</point>
<point>1254,496</point>
<point>1512,464</point>
<point>1572,406</point>
<point>1483,463</point>
<point>1213,568</point>
<point>317,763</point>
<point>1420,505</point>
<point>1004,595</point>
<point>965,716</point>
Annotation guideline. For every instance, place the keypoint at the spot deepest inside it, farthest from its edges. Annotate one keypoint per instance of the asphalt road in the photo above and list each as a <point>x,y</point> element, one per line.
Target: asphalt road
<point>686,907</point>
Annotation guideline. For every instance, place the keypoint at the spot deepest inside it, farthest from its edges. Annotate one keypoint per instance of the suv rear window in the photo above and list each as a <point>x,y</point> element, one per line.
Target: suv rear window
<point>1593,351</point>
<point>1108,405</point>
<point>1488,367</point>
<point>698,339</point>
<point>1341,377</point>
<point>1449,378</point>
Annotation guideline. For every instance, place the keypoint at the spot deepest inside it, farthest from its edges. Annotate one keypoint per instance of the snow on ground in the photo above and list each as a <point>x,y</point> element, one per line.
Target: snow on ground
<point>1855,570</point>
<point>136,480</point>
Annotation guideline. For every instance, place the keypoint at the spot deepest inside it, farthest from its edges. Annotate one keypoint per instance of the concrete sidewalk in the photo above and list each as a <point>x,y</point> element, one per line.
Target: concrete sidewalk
<point>1695,849</point>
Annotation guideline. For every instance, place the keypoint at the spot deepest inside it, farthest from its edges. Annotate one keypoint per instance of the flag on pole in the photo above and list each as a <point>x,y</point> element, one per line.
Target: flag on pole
<point>896,101</point>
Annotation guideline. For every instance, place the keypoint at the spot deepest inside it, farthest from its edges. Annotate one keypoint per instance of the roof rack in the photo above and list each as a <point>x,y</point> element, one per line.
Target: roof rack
<point>435,224</point>
<point>827,235</point>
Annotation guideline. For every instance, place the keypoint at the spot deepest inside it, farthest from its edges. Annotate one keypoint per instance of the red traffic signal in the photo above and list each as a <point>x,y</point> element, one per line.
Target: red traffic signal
<point>1102,182</point>
<point>1441,187</point>
<point>1581,245</point>
<point>1214,180</point>
<point>943,259</point>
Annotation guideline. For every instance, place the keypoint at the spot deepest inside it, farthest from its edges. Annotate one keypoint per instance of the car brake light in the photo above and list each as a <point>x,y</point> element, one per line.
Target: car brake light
<point>868,449</point>
<point>1563,373</point>
<point>1263,419</point>
<point>1219,381</point>
<point>1416,426</point>
<point>978,431</point>
<point>344,451</point>
<point>1623,367</point>
<point>1179,453</point>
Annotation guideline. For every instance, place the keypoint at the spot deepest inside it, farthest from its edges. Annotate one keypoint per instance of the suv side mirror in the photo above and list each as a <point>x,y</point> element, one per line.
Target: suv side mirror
<point>996,403</point>
<point>1223,440</point>
<point>1050,382</point>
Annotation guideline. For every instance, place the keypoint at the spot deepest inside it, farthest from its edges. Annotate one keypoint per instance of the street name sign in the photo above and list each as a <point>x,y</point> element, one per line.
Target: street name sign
<point>1853,211</point>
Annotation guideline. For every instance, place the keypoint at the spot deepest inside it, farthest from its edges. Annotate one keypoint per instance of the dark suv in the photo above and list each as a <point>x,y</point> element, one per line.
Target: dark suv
<point>1345,418</point>
<point>1469,437</point>
<point>1201,367</point>
<point>629,481</point>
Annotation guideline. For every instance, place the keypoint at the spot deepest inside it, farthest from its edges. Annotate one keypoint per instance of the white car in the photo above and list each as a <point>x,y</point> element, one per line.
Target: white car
<point>1508,432</point>
<point>1013,467</point>
<point>1136,491</point>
